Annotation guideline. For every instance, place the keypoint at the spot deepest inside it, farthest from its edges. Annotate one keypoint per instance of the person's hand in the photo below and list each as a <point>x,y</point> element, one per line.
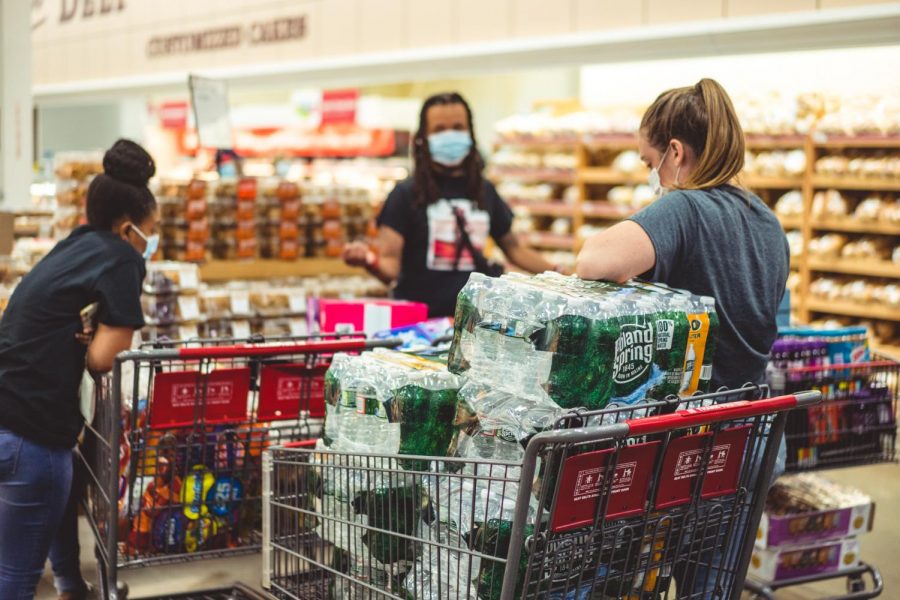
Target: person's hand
<point>358,254</point>
<point>85,336</point>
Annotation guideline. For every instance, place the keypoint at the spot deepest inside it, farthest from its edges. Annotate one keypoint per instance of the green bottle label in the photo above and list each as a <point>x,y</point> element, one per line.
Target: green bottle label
<point>634,352</point>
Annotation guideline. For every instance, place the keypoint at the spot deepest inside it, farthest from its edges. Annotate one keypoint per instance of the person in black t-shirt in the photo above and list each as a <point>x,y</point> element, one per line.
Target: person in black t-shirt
<point>44,350</point>
<point>419,248</point>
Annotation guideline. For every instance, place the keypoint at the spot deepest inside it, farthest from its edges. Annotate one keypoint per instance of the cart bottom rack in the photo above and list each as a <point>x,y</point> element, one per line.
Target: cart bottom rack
<point>856,584</point>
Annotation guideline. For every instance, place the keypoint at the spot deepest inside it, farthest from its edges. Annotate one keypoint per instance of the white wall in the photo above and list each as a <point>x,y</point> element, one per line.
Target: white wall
<point>853,71</point>
<point>90,127</point>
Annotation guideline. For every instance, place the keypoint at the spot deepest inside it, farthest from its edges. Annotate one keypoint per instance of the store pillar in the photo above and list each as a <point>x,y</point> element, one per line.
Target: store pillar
<point>16,113</point>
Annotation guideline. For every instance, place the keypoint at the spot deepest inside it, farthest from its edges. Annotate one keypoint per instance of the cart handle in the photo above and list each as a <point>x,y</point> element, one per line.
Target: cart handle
<point>250,351</point>
<point>872,364</point>
<point>715,413</point>
<point>301,444</point>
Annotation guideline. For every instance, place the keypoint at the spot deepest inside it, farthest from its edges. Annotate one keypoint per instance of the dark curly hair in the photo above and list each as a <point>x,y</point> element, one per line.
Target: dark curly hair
<point>121,190</point>
<point>425,185</point>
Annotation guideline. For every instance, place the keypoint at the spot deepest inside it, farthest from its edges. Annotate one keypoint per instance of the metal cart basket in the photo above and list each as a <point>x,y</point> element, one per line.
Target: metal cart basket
<point>173,455</point>
<point>856,424</point>
<point>661,500</point>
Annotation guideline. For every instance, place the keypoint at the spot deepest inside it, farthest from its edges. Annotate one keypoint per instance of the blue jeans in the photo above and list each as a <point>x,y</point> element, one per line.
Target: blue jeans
<point>35,482</point>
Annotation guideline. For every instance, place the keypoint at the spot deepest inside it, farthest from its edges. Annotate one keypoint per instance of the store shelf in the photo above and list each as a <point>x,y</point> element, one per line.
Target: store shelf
<point>855,183</point>
<point>871,268</point>
<point>775,142</point>
<point>553,208</point>
<point>791,222</point>
<point>605,210</point>
<point>858,141</point>
<point>853,309</point>
<point>539,143</point>
<point>550,241</point>
<point>608,176</point>
<point>774,183</point>
<point>533,175</point>
<point>851,226</point>
<point>227,270</point>
<point>612,141</point>
<point>891,351</point>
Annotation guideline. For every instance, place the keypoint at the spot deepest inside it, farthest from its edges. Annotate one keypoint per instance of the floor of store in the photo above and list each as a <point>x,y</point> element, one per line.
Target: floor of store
<point>882,482</point>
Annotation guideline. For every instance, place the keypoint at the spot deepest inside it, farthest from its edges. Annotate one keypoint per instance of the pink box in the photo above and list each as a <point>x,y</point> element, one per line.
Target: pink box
<point>369,316</point>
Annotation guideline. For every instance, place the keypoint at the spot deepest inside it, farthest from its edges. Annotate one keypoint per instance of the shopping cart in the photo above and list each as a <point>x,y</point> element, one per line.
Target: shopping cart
<point>655,501</point>
<point>173,454</point>
<point>856,424</point>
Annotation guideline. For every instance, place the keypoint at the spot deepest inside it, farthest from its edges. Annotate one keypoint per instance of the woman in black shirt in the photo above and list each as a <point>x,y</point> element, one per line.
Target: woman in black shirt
<point>44,349</point>
<point>419,248</point>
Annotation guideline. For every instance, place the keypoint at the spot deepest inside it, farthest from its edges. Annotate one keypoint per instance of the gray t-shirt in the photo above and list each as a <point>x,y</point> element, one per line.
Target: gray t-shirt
<point>725,243</point>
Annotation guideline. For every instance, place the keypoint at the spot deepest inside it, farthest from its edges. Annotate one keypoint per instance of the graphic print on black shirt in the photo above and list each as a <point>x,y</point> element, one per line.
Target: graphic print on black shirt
<point>41,361</point>
<point>430,240</point>
<point>444,244</point>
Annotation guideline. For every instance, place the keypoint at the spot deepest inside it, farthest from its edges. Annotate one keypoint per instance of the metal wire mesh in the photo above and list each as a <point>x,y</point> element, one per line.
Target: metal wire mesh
<point>173,455</point>
<point>855,425</point>
<point>367,526</point>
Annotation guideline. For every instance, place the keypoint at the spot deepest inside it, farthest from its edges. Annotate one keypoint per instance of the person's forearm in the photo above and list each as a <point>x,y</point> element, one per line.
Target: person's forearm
<point>386,270</point>
<point>529,260</point>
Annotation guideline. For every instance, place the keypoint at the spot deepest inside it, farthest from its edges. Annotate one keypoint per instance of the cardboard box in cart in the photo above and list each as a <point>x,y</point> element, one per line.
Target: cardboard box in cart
<point>821,558</point>
<point>804,528</point>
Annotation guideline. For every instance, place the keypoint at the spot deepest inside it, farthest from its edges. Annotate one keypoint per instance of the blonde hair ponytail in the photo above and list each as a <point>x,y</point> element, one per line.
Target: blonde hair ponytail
<point>703,117</point>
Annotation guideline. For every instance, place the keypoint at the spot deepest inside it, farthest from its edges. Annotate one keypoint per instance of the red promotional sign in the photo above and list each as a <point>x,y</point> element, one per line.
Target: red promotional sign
<point>286,390</point>
<point>582,478</point>
<point>173,115</point>
<point>685,457</point>
<point>339,107</point>
<point>184,397</point>
<point>725,462</point>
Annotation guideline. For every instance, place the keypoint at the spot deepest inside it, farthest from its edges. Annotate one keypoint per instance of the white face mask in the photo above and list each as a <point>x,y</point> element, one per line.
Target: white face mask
<point>653,179</point>
<point>152,242</point>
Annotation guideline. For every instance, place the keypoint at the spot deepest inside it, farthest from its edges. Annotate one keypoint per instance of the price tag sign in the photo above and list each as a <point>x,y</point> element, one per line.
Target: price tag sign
<point>188,332</point>
<point>298,327</point>
<point>188,308</point>
<point>240,302</point>
<point>240,329</point>
<point>188,279</point>
<point>297,301</point>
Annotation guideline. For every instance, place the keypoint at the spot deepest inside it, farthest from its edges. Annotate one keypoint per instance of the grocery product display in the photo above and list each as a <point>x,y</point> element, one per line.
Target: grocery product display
<point>857,422</point>
<point>73,171</point>
<point>810,527</point>
<point>179,305</point>
<point>269,219</point>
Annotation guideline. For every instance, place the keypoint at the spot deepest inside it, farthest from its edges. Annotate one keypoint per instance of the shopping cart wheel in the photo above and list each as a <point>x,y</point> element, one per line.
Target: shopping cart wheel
<point>855,584</point>
<point>121,590</point>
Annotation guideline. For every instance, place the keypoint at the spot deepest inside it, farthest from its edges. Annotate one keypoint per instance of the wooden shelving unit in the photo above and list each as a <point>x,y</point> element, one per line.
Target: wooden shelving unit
<point>228,270</point>
<point>867,268</point>
<point>852,309</point>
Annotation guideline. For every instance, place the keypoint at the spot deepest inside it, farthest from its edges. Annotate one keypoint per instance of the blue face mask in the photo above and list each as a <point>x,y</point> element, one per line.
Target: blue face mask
<point>152,242</point>
<point>450,148</point>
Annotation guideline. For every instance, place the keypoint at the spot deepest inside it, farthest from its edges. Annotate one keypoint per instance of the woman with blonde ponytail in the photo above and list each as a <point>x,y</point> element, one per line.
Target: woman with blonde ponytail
<point>704,234</point>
